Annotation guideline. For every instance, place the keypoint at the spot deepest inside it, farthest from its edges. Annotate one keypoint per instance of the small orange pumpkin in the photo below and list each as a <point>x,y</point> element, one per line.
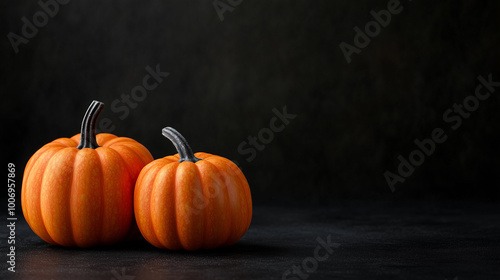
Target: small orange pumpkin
<point>191,201</point>
<point>77,193</point>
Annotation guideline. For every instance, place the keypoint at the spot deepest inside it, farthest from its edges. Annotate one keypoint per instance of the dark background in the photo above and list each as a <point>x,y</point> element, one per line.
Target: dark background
<point>353,120</point>
<point>322,176</point>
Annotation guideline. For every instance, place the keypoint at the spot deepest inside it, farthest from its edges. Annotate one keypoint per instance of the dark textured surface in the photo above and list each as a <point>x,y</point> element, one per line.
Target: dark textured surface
<point>376,240</point>
<point>353,120</point>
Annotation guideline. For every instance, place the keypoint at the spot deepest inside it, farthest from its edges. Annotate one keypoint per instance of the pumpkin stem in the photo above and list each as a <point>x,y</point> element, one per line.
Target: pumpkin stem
<point>88,134</point>
<point>180,143</point>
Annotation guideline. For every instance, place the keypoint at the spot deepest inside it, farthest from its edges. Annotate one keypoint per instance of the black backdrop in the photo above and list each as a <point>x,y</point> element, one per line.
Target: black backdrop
<point>226,77</point>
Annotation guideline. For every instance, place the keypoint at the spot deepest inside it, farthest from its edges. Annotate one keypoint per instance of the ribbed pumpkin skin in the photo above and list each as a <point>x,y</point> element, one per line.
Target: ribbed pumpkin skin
<point>189,205</point>
<point>83,197</point>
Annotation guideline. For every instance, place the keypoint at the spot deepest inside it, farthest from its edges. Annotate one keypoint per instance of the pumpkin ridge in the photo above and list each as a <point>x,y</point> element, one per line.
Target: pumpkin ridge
<point>104,138</point>
<point>69,199</point>
<point>228,173</point>
<point>44,178</point>
<point>148,167</point>
<point>205,204</point>
<point>63,142</point>
<point>28,206</point>
<point>129,146</point>
<point>151,210</point>
<point>32,162</point>
<point>174,158</point>
<point>132,178</point>
<point>118,141</point>
<point>101,189</point>
<point>44,224</point>
<point>220,241</point>
<point>183,214</point>
<point>130,173</point>
<point>149,172</point>
<point>203,155</point>
<point>227,203</point>
<point>242,192</point>
<point>244,185</point>
<point>175,202</point>
<point>80,226</point>
<point>154,191</point>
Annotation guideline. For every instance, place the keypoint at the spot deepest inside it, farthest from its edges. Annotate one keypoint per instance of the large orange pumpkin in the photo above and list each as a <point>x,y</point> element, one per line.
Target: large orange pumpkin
<point>192,201</point>
<point>78,191</point>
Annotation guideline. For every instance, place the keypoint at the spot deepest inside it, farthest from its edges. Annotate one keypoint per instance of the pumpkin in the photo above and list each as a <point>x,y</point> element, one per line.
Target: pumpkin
<point>78,191</point>
<point>191,201</point>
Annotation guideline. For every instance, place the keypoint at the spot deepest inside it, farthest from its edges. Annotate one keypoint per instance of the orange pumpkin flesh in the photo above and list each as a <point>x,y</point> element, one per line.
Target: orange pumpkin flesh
<point>76,193</point>
<point>192,201</point>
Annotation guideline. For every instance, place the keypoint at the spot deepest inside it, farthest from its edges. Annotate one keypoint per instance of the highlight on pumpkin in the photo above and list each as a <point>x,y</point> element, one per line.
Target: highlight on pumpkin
<point>78,191</point>
<point>192,200</point>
